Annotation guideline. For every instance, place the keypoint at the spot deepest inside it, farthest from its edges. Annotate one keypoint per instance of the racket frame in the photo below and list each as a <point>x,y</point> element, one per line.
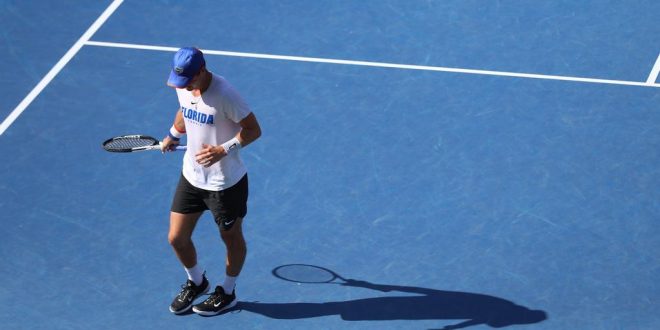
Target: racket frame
<point>334,276</point>
<point>156,146</point>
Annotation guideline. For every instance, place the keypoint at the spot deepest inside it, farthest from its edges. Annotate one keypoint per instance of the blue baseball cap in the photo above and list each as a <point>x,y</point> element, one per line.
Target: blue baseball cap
<point>186,64</point>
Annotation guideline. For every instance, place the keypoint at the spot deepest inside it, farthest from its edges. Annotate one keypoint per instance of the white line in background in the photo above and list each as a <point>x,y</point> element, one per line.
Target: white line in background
<point>382,65</point>
<point>58,66</point>
<point>653,76</point>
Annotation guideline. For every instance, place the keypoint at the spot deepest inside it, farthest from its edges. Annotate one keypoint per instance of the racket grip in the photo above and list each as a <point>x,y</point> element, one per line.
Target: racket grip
<point>181,148</point>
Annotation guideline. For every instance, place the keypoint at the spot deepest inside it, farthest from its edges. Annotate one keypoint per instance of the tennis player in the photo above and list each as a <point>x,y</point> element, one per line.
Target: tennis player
<point>218,123</point>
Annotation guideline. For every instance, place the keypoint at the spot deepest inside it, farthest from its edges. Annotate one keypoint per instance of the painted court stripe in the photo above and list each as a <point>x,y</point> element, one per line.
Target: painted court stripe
<point>58,66</point>
<point>653,77</point>
<point>84,40</point>
<point>382,65</point>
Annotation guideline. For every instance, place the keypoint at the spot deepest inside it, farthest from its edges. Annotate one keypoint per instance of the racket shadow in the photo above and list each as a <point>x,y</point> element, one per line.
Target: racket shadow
<point>426,304</point>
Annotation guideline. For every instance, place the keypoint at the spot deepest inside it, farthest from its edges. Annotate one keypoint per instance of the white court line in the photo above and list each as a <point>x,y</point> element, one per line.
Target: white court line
<point>84,40</point>
<point>58,66</point>
<point>382,65</point>
<point>653,76</point>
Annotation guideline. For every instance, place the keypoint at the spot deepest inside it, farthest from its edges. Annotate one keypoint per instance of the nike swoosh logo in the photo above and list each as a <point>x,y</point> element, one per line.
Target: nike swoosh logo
<point>227,223</point>
<point>216,305</point>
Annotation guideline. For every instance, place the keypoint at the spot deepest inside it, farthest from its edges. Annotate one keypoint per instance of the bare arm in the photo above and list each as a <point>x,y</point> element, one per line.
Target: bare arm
<point>250,130</point>
<point>179,125</point>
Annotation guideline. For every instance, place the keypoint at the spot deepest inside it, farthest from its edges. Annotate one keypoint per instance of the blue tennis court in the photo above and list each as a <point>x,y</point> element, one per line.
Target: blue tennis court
<point>469,164</point>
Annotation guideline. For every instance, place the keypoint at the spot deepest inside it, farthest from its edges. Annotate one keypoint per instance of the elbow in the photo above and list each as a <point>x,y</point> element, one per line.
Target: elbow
<point>248,136</point>
<point>258,133</point>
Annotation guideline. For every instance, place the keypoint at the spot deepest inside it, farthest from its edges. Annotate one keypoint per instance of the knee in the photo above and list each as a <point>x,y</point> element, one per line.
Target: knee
<point>232,238</point>
<point>178,241</point>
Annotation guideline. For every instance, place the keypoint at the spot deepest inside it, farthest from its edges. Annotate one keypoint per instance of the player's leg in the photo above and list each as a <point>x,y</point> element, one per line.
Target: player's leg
<point>236,249</point>
<point>180,237</point>
<point>224,296</point>
<point>229,207</point>
<point>187,208</point>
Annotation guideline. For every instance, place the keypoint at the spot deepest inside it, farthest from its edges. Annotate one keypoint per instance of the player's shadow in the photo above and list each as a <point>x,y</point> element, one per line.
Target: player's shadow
<point>426,304</point>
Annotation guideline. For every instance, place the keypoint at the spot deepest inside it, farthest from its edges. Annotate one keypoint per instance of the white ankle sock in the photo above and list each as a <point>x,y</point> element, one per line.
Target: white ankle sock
<point>195,274</point>
<point>229,284</point>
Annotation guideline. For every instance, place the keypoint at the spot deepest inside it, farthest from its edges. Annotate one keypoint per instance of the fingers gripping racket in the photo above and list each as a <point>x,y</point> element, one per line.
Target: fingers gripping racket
<point>133,143</point>
<point>302,273</point>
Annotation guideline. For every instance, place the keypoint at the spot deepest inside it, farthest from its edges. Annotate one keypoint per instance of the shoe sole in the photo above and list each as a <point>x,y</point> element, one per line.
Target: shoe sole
<point>208,313</point>
<point>179,312</point>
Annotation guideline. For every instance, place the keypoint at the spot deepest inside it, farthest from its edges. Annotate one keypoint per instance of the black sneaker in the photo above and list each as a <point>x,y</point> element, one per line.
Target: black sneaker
<point>217,302</point>
<point>189,292</point>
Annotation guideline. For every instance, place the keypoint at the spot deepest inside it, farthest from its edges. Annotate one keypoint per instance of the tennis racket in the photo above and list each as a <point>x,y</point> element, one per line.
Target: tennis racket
<point>302,273</point>
<point>133,143</point>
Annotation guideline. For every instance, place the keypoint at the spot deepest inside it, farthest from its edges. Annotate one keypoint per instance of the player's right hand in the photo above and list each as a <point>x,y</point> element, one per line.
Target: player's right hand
<point>168,144</point>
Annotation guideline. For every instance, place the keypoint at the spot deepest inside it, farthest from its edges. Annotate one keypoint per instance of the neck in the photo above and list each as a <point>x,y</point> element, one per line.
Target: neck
<point>205,82</point>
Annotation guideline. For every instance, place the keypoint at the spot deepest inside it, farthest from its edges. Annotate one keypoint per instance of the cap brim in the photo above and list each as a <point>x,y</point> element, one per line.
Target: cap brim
<point>177,81</point>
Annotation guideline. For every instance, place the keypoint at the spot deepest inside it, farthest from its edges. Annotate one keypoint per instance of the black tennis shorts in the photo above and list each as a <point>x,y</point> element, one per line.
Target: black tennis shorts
<point>225,205</point>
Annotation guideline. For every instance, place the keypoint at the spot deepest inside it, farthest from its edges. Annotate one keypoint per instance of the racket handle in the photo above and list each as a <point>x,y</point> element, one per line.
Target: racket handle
<point>177,148</point>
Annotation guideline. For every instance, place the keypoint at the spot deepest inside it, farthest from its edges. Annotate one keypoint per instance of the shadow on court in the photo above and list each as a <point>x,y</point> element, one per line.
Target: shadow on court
<point>429,304</point>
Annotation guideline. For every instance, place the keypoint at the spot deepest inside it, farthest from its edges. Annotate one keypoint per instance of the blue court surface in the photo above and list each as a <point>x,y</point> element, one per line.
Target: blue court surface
<point>469,164</point>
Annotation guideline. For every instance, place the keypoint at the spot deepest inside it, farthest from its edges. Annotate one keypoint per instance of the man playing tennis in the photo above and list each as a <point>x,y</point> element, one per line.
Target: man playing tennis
<point>218,123</point>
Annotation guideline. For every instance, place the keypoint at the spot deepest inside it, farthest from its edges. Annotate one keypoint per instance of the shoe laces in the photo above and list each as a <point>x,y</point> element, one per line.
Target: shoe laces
<point>186,289</point>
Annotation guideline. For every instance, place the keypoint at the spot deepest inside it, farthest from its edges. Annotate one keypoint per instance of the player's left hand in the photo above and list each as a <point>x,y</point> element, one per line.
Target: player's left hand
<point>209,155</point>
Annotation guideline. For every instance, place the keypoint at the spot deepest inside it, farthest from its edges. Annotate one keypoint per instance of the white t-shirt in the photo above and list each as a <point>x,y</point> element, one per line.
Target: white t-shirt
<point>212,119</point>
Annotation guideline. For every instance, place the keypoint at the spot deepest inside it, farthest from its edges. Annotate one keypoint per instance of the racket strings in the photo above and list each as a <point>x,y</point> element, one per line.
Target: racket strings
<point>129,143</point>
